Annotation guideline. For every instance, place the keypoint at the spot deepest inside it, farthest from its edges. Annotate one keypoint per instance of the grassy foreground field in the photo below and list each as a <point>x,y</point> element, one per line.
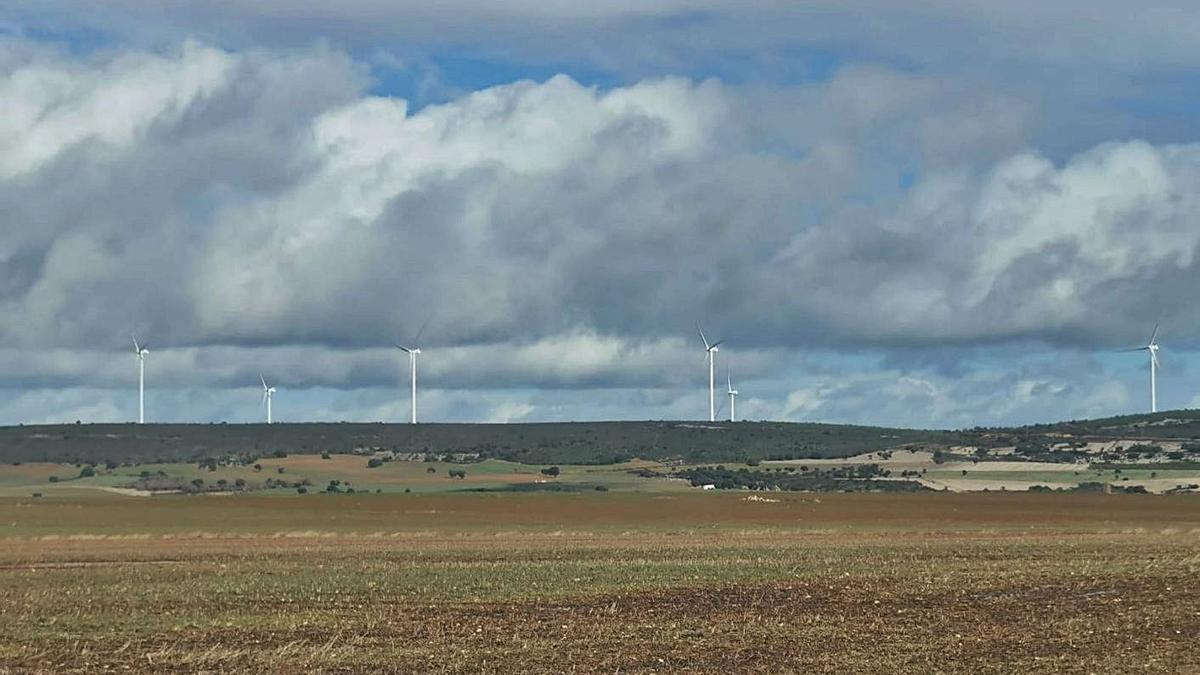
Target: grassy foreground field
<point>618,582</point>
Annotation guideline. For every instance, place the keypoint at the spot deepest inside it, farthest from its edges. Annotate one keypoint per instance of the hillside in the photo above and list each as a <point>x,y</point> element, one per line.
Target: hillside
<point>581,442</point>
<point>568,443</point>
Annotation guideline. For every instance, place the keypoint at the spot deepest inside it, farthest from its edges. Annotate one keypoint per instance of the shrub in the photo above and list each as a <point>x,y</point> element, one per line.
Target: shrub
<point>279,469</point>
<point>552,472</point>
<point>302,490</point>
<point>53,479</point>
<point>258,467</point>
<point>374,463</point>
<point>37,494</point>
<point>431,470</point>
<point>325,455</point>
<point>601,488</point>
<point>87,471</point>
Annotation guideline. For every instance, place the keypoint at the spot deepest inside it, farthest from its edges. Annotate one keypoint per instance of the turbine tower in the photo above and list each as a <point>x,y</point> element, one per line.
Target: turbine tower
<point>711,353</point>
<point>733,394</point>
<point>268,394</point>
<point>1152,347</point>
<point>141,352</point>
<point>413,352</point>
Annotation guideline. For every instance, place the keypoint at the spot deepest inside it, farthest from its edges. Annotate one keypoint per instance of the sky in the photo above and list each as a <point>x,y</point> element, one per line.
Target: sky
<point>922,214</point>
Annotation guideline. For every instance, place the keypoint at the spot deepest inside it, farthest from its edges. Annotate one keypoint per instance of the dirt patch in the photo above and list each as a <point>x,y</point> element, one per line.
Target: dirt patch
<point>848,626</point>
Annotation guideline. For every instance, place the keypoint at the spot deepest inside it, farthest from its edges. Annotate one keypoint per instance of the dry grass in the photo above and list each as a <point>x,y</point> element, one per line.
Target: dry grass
<point>602,583</point>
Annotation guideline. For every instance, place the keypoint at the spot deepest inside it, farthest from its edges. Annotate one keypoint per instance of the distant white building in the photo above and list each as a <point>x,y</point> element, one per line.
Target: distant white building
<point>709,486</point>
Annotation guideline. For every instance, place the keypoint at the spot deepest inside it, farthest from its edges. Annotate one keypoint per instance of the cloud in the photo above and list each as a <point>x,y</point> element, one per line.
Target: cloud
<point>261,210</point>
<point>1073,254</point>
<point>982,397</point>
<point>550,207</point>
<point>925,31</point>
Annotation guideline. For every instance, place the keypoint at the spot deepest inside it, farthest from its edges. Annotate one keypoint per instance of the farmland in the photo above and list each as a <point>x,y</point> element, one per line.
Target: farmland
<point>601,582</point>
<point>344,548</point>
<point>380,474</point>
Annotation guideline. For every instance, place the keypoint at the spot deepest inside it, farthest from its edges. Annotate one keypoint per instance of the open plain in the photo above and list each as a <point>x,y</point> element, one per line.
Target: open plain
<point>601,582</point>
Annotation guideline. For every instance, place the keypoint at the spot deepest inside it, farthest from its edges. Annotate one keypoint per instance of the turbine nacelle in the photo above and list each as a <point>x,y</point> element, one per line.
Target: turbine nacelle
<point>710,348</point>
<point>139,350</point>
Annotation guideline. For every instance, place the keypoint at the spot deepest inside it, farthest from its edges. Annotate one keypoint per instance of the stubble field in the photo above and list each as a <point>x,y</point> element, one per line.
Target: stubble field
<point>619,582</point>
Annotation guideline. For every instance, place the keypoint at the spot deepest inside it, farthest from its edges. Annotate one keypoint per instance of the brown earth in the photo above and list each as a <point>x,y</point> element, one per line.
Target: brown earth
<point>602,583</point>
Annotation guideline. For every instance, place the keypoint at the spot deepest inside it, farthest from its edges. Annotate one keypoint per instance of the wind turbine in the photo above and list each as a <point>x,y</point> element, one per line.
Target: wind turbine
<point>1152,347</point>
<point>141,353</point>
<point>412,352</point>
<point>711,353</point>
<point>733,394</point>
<point>268,394</point>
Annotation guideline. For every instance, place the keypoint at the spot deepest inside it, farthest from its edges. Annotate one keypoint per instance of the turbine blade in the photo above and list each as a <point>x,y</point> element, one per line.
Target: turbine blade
<point>403,348</point>
<point>416,341</point>
<point>704,339</point>
<point>1153,335</point>
<point>137,349</point>
<point>264,381</point>
<point>714,345</point>
<point>1135,349</point>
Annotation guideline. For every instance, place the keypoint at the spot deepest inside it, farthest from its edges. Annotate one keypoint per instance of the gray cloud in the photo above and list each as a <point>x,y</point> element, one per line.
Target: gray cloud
<point>248,211</point>
<point>216,210</point>
<point>1064,34</point>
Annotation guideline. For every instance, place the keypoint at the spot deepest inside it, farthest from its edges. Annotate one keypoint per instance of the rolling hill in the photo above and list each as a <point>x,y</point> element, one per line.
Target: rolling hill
<point>568,443</point>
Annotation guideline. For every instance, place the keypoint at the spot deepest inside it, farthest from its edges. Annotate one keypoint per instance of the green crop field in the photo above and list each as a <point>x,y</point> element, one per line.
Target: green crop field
<point>349,471</point>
